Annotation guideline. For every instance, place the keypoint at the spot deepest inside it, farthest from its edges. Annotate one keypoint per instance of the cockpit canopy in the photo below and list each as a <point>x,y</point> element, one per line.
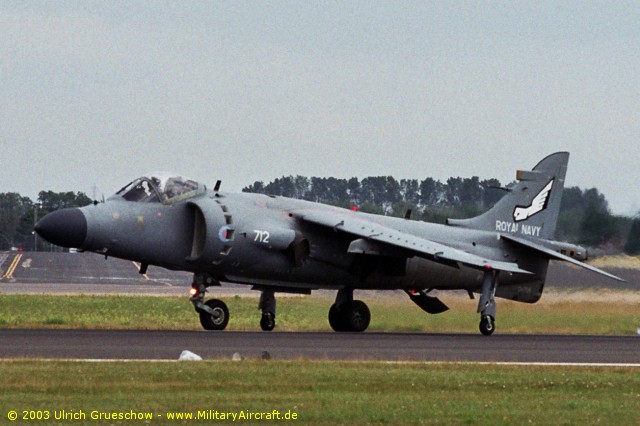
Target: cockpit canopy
<point>166,188</point>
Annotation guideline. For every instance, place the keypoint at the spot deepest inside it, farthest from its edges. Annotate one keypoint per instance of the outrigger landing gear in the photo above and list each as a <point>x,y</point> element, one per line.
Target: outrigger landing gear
<point>347,314</point>
<point>487,303</point>
<point>214,314</point>
<point>487,325</point>
<point>268,306</point>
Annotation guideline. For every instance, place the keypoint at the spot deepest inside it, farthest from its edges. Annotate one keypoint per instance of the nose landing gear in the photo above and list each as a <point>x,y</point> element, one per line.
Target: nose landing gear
<point>214,314</point>
<point>216,317</point>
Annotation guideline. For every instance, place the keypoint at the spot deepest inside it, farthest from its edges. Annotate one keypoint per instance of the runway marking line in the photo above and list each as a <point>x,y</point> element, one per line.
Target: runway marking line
<point>12,267</point>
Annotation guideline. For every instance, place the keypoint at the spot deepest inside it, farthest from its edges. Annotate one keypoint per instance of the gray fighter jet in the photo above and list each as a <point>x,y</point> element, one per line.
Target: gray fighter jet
<point>277,244</point>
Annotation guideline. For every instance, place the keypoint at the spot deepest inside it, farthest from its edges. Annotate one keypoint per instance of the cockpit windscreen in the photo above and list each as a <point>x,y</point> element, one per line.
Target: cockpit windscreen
<point>163,188</point>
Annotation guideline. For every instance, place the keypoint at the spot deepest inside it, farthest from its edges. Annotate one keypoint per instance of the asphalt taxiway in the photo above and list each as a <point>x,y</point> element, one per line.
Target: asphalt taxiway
<point>51,273</point>
<point>159,345</point>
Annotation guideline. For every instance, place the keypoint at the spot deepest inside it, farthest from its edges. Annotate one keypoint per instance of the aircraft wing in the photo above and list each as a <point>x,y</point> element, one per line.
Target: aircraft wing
<point>555,255</point>
<point>376,237</point>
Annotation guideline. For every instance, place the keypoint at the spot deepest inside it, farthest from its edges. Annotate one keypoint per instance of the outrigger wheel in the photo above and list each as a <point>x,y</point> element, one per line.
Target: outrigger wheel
<point>487,325</point>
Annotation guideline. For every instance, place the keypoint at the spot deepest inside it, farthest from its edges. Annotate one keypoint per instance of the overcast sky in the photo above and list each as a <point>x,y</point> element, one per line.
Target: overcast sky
<point>98,93</point>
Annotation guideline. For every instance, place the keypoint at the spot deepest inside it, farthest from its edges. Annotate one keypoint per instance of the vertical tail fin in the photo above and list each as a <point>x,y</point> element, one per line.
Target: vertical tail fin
<point>531,207</point>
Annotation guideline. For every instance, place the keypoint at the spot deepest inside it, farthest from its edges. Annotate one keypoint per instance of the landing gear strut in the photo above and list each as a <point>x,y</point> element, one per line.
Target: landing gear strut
<point>214,314</point>
<point>487,303</point>
<point>268,306</point>
<point>347,314</point>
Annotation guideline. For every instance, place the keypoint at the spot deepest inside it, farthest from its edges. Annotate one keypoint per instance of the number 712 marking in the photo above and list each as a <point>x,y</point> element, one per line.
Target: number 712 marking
<point>261,236</point>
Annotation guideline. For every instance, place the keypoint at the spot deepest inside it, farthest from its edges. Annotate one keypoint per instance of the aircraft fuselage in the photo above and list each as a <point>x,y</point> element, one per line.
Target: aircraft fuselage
<point>246,238</point>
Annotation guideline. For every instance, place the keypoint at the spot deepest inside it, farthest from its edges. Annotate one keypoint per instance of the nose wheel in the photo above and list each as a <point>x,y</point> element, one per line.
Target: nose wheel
<point>214,314</point>
<point>216,317</point>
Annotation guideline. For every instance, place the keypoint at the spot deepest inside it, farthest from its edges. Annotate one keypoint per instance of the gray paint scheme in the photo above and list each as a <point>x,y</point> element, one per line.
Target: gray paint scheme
<point>281,244</point>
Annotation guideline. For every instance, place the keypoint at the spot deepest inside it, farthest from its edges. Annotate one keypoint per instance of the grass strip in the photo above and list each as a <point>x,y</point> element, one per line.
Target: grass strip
<point>612,317</point>
<point>322,392</point>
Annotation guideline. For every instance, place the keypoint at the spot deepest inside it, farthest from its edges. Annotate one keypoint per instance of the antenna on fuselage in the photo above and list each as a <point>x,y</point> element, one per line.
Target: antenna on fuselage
<point>217,187</point>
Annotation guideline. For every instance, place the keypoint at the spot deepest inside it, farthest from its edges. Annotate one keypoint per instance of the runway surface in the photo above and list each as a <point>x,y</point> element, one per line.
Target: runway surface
<point>94,344</point>
<point>70,273</point>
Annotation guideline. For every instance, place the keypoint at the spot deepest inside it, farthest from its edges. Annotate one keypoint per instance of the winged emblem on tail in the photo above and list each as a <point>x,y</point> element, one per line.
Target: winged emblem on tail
<point>538,204</point>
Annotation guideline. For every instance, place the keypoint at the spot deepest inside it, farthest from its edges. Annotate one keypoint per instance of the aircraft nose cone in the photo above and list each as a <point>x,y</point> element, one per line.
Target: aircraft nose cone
<point>66,227</point>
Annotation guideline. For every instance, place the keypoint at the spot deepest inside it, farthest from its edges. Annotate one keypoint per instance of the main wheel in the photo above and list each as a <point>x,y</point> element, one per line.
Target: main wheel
<point>336,320</point>
<point>356,316</point>
<point>487,325</point>
<point>268,321</point>
<point>217,320</point>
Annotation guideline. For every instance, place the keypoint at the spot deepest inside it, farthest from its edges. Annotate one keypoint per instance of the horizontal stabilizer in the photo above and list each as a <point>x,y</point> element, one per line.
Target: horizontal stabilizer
<point>555,255</point>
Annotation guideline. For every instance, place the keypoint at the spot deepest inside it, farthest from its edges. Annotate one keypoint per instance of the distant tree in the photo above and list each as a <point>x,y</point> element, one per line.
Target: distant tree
<point>471,192</point>
<point>381,192</point>
<point>354,189</point>
<point>491,192</point>
<point>256,188</point>
<point>632,247</point>
<point>15,210</point>
<point>410,191</point>
<point>431,192</point>
<point>301,187</point>
<point>572,199</point>
<point>284,186</point>
<point>392,194</point>
<point>50,201</point>
<point>598,226</point>
<point>453,192</point>
<point>338,191</point>
<point>329,190</point>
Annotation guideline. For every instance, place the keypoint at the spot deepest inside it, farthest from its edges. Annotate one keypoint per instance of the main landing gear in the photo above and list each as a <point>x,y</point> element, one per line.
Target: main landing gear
<point>268,307</point>
<point>487,303</point>
<point>347,314</point>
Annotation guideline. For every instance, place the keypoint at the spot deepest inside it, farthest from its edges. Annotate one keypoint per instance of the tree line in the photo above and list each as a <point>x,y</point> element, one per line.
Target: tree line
<point>585,217</point>
<point>19,214</point>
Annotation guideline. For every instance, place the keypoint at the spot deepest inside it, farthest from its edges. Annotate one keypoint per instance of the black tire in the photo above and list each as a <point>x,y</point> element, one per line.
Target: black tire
<point>268,321</point>
<point>487,325</point>
<point>356,316</point>
<point>218,320</point>
<point>336,320</point>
